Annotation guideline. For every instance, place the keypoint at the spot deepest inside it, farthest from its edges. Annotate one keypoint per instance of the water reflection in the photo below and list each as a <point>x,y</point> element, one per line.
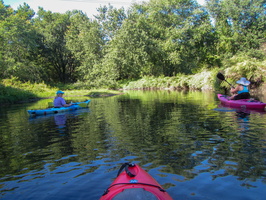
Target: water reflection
<point>243,120</point>
<point>242,157</point>
<point>179,138</point>
<point>60,121</point>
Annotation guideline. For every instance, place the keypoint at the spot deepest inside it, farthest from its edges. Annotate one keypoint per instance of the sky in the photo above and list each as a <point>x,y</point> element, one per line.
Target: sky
<point>87,6</point>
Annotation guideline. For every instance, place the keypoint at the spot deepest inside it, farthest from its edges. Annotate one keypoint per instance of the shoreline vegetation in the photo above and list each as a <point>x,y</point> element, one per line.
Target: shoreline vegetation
<point>14,91</point>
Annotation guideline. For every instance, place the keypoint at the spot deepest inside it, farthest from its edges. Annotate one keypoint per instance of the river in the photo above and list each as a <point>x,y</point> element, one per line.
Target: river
<point>192,146</point>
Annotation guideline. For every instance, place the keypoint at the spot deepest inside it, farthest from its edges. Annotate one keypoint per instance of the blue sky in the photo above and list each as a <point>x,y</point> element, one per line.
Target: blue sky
<point>87,6</point>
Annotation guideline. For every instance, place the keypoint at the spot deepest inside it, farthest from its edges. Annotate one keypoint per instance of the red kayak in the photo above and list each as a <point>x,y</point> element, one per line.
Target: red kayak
<point>134,183</point>
<point>242,103</point>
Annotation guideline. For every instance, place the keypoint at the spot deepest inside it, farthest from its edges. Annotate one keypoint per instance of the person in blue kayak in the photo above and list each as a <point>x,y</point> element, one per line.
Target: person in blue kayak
<point>59,101</point>
<point>241,91</point>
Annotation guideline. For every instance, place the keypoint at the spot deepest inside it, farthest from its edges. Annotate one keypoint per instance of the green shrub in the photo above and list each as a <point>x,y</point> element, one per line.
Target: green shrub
<point>204,80</point>
<point>243,66</point>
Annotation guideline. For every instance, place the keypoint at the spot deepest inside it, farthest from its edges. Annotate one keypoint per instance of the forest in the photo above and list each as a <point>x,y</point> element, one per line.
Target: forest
<point>164,39</point>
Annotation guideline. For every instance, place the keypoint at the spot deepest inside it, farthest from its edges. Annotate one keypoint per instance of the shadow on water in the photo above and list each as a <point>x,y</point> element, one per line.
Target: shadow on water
<point>193,150</point>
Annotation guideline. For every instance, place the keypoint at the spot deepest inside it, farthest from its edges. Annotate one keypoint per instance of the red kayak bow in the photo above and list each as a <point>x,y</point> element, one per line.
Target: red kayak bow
<point>134,183</point>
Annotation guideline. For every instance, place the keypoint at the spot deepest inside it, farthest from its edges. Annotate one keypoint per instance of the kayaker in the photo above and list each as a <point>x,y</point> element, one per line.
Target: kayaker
<point>59,101</point>
<point>241,91</point>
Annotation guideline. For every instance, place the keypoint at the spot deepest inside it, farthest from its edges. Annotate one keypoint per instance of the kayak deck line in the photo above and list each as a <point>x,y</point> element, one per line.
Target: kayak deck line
<point>146,184</point>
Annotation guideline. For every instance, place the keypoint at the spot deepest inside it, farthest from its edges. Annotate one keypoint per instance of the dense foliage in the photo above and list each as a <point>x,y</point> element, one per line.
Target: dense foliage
<point>159,38</point>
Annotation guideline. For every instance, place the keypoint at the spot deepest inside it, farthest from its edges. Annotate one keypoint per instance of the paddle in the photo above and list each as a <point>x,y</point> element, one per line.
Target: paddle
<point>221,77</point>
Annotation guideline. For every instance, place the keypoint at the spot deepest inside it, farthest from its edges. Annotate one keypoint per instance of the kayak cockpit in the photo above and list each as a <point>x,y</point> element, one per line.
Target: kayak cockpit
<point>134,194</point>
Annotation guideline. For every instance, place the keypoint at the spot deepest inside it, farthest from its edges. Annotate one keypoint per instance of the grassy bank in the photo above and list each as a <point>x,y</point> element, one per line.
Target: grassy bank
<point>14,91</point>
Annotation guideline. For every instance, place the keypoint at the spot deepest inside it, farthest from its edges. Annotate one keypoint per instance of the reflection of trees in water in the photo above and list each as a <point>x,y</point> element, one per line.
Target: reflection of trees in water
<point>184,137</point>
<point>32,142</point>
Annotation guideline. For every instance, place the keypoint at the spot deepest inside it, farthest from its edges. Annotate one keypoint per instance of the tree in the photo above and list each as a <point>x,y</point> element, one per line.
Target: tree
<point>240,24</point>
<point>18,43</point>
<point>55,57</point>
<point>128,53</point>
<point>162,37</point>
<point>85,41</point>
<point>111,20</point>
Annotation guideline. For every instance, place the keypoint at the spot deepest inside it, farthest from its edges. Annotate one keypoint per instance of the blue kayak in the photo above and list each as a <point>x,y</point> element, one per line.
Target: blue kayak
<point>47,111</point>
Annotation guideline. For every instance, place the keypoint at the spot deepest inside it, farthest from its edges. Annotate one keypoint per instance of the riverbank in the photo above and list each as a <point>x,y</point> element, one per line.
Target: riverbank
<point>14,91</point>
<point>91,94</point>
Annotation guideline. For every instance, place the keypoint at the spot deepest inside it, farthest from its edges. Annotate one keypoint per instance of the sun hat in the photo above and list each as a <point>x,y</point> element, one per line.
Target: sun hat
<point>59,92</point>
<point>243,81</point>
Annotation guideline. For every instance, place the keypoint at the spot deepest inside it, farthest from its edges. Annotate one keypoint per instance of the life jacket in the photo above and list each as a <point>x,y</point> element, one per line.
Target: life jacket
<point>245,89</point>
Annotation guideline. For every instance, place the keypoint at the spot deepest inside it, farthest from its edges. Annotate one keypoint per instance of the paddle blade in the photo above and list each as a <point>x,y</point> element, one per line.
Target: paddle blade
<point>220,76</point>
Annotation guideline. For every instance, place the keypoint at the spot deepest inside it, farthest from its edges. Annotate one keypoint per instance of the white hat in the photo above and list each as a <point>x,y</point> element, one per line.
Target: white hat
<point>243,81</point>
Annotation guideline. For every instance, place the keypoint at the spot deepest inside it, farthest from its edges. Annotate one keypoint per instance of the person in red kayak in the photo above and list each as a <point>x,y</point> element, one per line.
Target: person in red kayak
<point>241,91</point>
<point>59,101</point>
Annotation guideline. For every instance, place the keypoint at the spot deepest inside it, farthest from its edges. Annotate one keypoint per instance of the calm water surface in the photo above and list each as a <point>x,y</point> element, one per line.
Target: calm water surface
<point>193,147</point>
